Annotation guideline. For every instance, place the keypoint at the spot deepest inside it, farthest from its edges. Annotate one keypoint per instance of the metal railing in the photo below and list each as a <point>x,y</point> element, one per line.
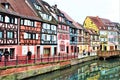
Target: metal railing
<point>21,60</point>
<point>108,53</point>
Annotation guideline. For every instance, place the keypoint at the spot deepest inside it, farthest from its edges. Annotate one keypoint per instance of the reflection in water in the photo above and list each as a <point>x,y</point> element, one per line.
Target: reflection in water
<point>94,70</point>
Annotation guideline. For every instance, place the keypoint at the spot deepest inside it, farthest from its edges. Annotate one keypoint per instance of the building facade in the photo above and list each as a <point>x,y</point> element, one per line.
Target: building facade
<point>93,31</point>
<point>23,28</point>
<point>48,45</point>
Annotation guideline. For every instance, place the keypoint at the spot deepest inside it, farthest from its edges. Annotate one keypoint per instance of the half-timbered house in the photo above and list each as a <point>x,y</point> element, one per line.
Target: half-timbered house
<point>48,28</point>
<point>63,43</point>
<point>21,32</point>
<point>73,33</point>
<point>8,29</point>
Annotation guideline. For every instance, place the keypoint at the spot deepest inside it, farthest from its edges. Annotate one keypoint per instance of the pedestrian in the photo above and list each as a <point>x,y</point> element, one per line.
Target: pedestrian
<point>84,52</point>
<point>6,55</point>
<point>1,56</point>
<point>29,54</point>
<point>88,53</point>
<point>58,54</point>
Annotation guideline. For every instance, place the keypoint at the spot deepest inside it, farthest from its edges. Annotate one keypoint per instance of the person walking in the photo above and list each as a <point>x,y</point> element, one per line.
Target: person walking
<point>29,54</point>
<point>88,53</point>
<point>6,55</point>
<point>84,53</point>
<point>1,56</point>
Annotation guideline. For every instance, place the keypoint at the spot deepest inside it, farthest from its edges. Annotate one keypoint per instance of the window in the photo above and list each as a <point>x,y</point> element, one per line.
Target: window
<point>12,20</point>
<point>67,37</point>
<point>53,27</point>
<point>36,36</point>
<point>21,21</point>
<point>93,48</point>
<point>73,39</point>
<point>16,21</point>
<point>37,6</point>
<point>45,16</point>
<point>1,34</point>
<point>48,37</point>
<point>25,35</point>
<point>101,39</point>
<point>6,6</point>
<point>67,27</point>
<point>80,31</point>
<point>30,36</point>
<point>10,35</point>
<point>35,24</point>
<point>60,36</point>
<point>59,26</point>
<point>7,19</point>
<point>97,37</point>
<point>12,53</point>
<point>62,47</point>
<point>53,37</point>
<point>47,51</point>
<point>46,26</point>
<point>45,37</point>
<point>26,22</point>
<point>33,36</point>
<point>1,18</point>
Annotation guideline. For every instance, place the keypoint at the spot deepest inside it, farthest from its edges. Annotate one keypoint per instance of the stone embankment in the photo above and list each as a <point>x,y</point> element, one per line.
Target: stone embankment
<point>21,72</point>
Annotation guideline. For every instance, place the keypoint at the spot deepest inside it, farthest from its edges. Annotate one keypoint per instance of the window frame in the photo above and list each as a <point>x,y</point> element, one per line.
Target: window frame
<point>1,35</point>
<point>10,35</point>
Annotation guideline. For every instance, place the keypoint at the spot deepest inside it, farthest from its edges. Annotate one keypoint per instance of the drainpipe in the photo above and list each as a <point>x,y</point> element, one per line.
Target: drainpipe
<point>18,34</point>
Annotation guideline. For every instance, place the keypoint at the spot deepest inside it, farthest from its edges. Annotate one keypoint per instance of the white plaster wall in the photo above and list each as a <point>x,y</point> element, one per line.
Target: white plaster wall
<point>24,50</point>
<point>41,50</point>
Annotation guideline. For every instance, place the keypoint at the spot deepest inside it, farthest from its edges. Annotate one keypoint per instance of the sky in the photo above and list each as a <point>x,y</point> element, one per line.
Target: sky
<point>79,9</point>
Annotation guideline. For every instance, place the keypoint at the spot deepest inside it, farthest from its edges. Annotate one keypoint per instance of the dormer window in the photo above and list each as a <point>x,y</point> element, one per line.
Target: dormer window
<point>6,6</point>
<point>37,6</point>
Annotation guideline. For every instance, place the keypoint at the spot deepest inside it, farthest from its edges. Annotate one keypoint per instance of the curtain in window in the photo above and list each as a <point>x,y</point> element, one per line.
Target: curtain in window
<point>7,19</point>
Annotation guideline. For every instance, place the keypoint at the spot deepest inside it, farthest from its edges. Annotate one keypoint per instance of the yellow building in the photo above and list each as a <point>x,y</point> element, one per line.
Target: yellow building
<point>89,24</point>
<point>107,32</point>
<point>93,31</point>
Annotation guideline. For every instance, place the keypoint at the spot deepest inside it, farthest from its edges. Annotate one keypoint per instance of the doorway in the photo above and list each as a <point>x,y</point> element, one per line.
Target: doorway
<point>67,49</point>
<point>105,48</point>
<point>12,53</point>
<point>55,51</point>
<point>38,52</point>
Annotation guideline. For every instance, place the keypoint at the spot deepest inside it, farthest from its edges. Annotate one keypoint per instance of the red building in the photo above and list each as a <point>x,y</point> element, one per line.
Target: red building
<point>20,28</point>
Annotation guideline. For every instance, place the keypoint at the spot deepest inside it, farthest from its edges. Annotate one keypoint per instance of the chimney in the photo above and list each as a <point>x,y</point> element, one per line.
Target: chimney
<point>55,7</point>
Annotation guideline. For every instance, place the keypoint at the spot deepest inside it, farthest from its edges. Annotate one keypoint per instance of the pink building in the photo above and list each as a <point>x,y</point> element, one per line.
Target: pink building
<point>63,42</point>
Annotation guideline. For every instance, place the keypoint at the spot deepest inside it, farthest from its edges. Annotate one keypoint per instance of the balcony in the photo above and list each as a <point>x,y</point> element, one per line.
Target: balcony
<point>73,42</point>
<point>103,36</point>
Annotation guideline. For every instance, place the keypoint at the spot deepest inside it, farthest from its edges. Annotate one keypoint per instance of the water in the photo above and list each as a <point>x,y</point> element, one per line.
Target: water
<point>93,70</point>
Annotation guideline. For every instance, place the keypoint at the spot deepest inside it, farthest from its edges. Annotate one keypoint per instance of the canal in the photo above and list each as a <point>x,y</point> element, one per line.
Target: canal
<point>93,70</point>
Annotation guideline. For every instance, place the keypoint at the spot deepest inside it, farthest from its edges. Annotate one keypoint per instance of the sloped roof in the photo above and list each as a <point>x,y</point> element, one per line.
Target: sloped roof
<point>22,8</point>
<point>80,26</point>
<point>76,24</point>
<point>97,21</point>
<point>8,11</point>
<point>101,23</point>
